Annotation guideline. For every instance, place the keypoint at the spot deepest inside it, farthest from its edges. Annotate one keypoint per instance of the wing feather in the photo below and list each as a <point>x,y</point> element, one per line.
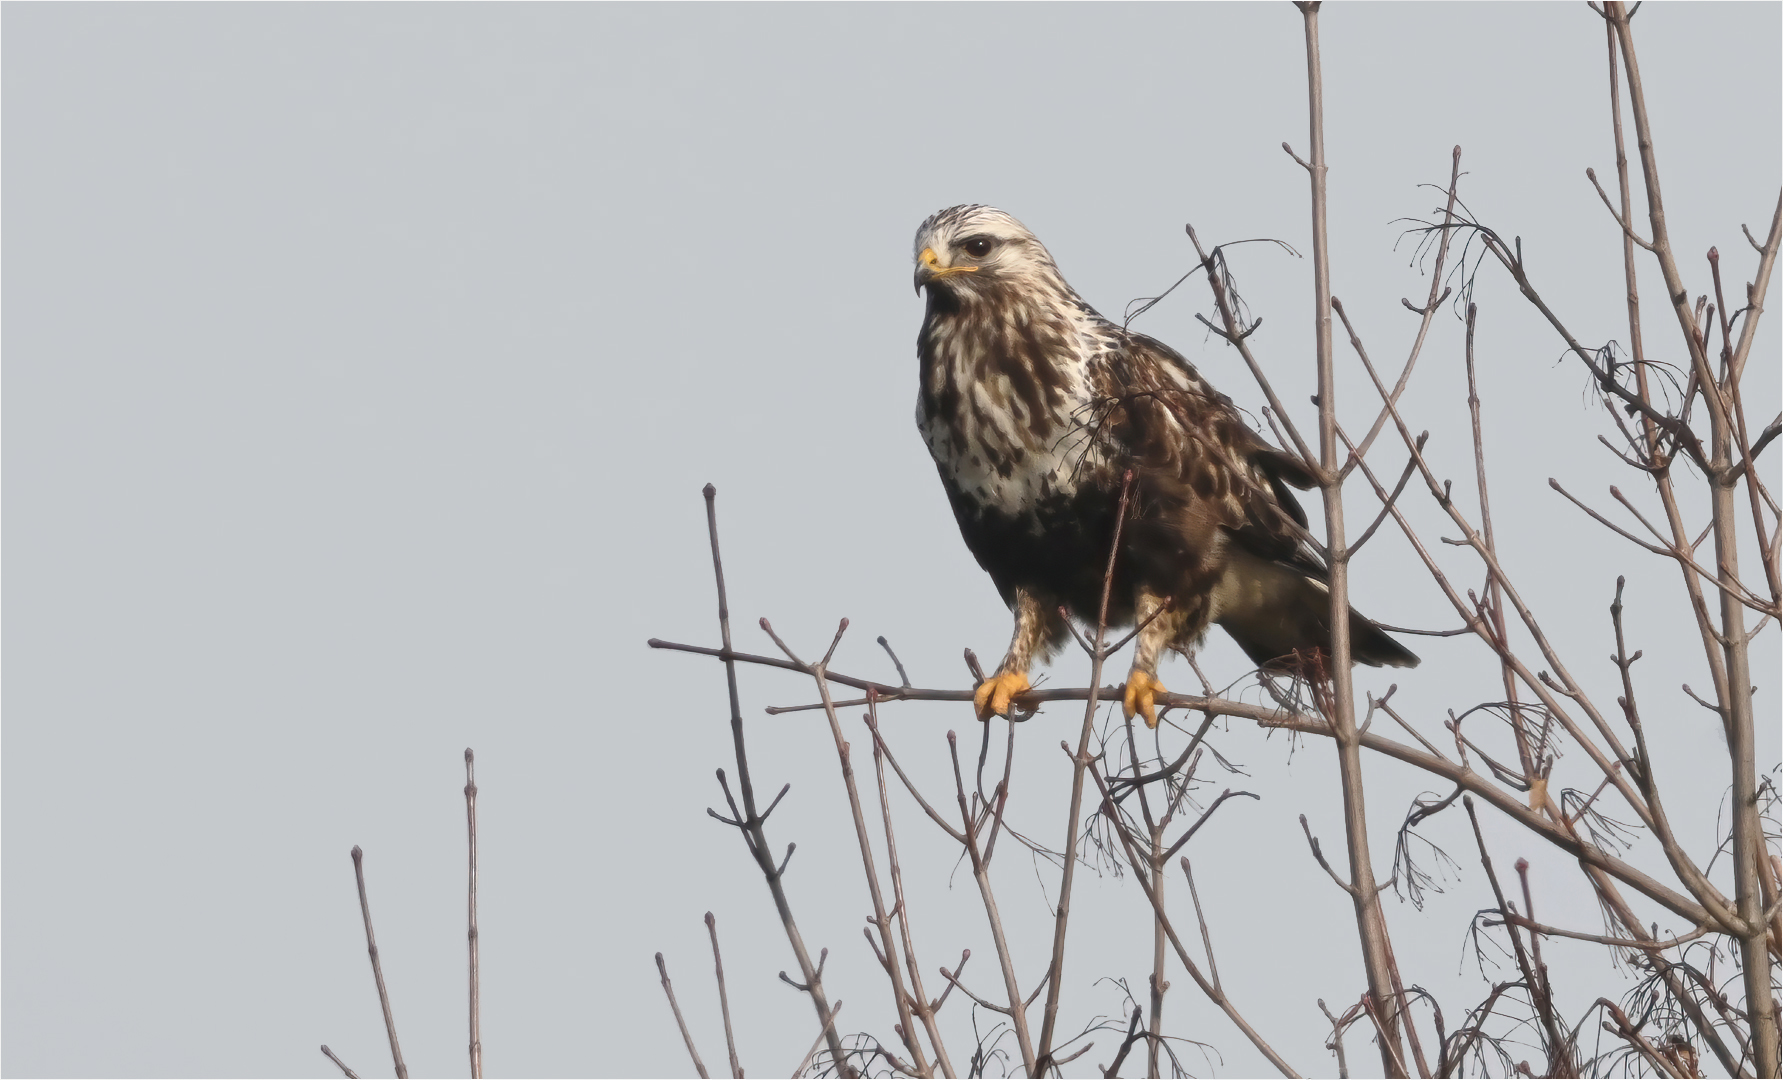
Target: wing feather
<point>1176,422</point>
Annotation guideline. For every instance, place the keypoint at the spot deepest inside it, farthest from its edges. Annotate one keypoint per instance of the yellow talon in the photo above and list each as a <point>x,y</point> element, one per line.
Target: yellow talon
<point>992,698</point>
<point>1142,687</point>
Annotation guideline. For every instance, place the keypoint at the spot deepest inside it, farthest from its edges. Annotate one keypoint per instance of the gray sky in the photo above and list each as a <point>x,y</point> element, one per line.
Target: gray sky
<point>363,365</point>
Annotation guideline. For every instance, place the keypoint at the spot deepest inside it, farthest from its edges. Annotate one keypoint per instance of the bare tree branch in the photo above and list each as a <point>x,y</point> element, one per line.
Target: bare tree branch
<point>675,1006</point>
<point>339,1064</point>
<point>476,984</point>
<point>377,967</point>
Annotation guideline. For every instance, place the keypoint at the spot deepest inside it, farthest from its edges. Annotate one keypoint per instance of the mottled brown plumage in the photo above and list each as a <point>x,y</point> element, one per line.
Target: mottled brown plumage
<point>1034,407</point>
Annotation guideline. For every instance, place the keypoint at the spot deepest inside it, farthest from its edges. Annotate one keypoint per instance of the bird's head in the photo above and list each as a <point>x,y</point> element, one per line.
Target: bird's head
<point>976,251</point>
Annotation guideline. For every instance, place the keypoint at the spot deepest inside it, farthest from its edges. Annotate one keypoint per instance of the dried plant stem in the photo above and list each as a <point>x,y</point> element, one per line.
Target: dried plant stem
<point>377,967</point>
<point>751,822</point>
<point>476,985</point>
<point>1371,923</point>
<point>686,1036</point>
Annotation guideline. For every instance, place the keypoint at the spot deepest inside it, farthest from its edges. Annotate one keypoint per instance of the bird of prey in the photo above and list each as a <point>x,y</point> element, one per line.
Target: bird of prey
<point>1035,408</point>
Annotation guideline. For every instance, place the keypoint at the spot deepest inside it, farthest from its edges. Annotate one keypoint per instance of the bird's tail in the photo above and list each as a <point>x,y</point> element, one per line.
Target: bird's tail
<point>1277,612</point>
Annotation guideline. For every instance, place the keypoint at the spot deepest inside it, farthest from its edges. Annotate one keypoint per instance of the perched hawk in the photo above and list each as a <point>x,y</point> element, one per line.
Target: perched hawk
<point>1034,407</point>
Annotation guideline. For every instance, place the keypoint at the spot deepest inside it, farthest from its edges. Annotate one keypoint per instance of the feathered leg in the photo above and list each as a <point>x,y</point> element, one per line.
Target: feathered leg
<point>1143,686</point>
<point>1033,629</point>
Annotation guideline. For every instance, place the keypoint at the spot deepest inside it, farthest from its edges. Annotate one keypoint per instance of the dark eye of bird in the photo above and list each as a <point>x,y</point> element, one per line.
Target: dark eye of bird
<point>979,246</point>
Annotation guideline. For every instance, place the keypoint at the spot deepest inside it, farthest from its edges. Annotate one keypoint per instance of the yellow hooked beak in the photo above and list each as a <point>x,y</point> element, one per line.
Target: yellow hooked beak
<point>929,268</point>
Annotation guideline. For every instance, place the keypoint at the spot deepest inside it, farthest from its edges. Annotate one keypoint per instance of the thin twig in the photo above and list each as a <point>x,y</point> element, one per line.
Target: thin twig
<point>1336,1043</point>
<point>925,1009</point>
<point>1627,229</point>
<point>1527,755</point>
<point>1133,1036</point>
<point>1389,1045</point>
<point>1017,1014</point>
<point>1337,689</point>
<point>724,1001</point>
<point>1318,854</point>
<point>1079,762</point>
<point>958,970</point>
<point>1202,820</point>
<point>1428,312</point>
<point>1700,887</point>
<point>1630,1033</point>
<point>828,1032</point>
<point>1213,968</point>
<point>899,664</point>
<point>476,984</point>
<point>339,1064</point>
<point>687,1037</point>
<point>934,815</point>
<point>751,823</point>
<point>864,842</point>
<point>377,967</point>
<point>1270,716</point>
<point>1524,963</point>
<point>1749,843</point>
<point>1214,993</point>
<point>1514,919</point>
<point>1387,507</point>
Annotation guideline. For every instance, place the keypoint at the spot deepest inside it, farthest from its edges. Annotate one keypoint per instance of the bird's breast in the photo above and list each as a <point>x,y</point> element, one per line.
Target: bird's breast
<point>1005,409</point>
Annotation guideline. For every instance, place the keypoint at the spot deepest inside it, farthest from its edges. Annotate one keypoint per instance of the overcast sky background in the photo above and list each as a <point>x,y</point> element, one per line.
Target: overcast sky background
<point>363,365</point>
